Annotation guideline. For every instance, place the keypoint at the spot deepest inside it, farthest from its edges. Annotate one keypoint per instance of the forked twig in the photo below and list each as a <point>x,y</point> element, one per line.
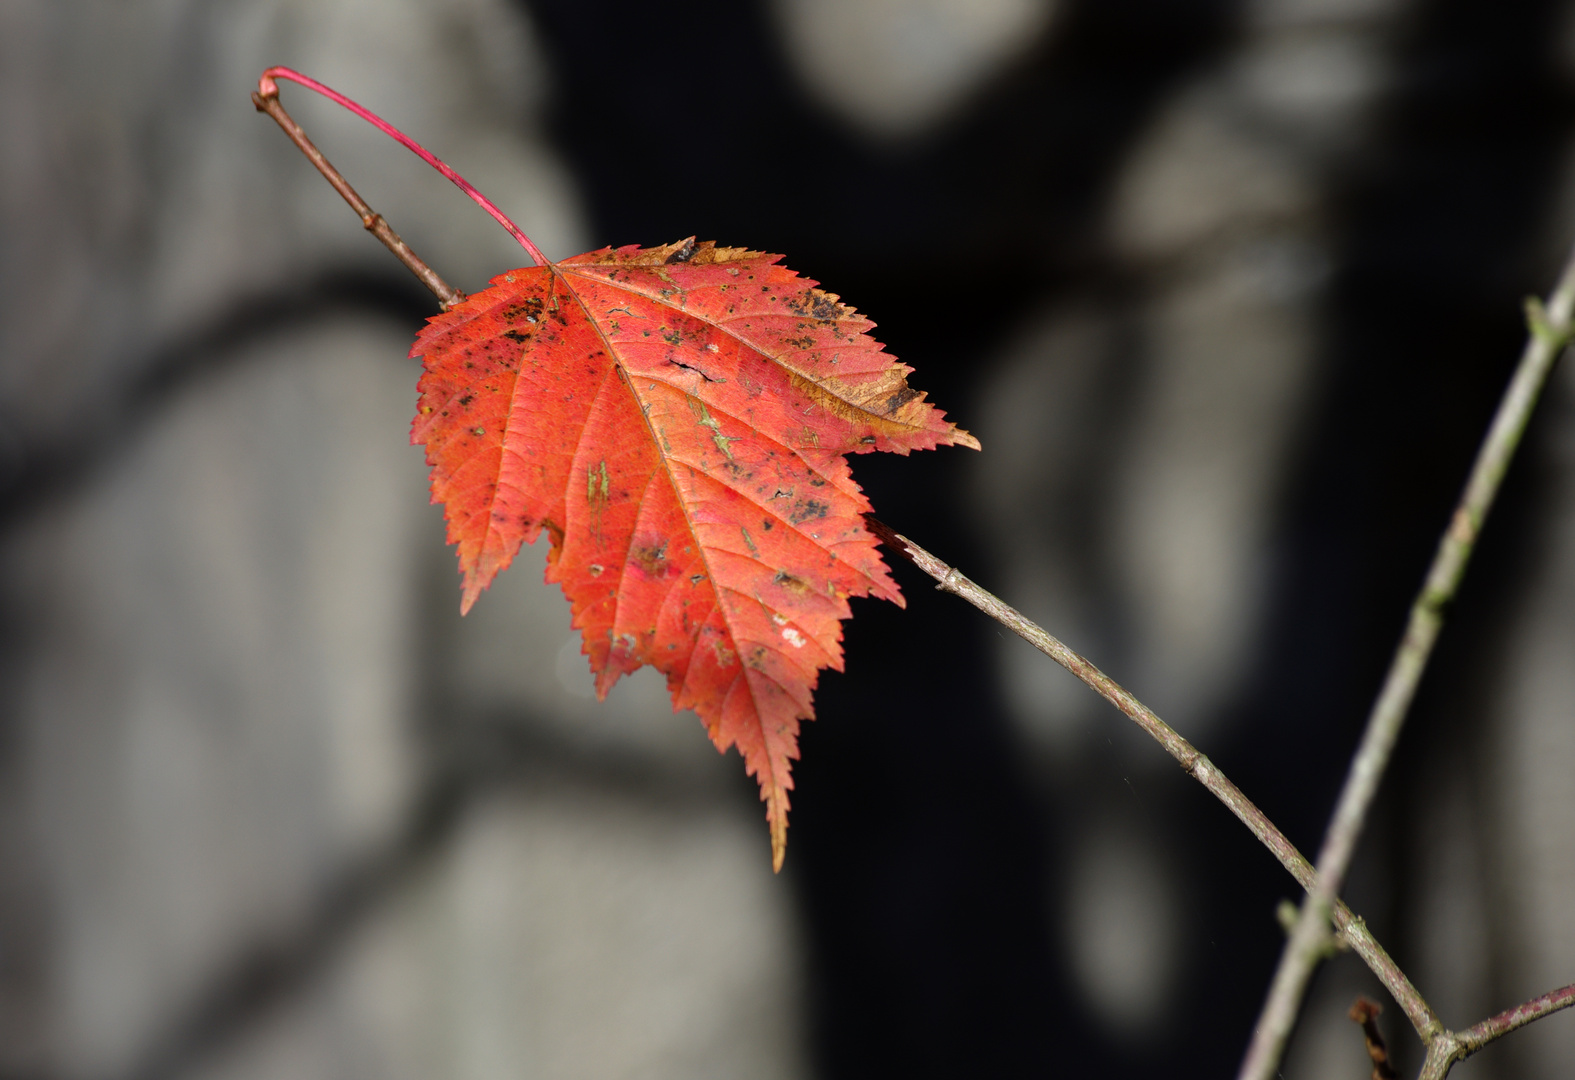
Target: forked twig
<point>1449,1047</point>
<point>1550,333</point>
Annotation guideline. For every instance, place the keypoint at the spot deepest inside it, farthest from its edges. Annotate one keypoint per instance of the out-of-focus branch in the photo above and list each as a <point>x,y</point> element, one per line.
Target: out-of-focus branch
<point>1196,764</point>
<point>1550,332</point>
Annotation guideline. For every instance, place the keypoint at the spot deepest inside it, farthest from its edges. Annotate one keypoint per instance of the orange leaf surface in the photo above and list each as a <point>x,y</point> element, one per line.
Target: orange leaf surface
<point>677,419</point>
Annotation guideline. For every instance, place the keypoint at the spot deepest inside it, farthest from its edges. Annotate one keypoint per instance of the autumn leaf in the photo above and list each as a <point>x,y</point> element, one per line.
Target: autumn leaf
<point>676,419</point>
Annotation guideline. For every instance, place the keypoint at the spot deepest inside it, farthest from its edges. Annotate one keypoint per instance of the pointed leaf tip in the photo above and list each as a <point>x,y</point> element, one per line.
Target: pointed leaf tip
<point>778,844</point>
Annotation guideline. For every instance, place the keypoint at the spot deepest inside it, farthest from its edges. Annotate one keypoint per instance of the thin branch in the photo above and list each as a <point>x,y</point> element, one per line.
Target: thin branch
<point>1444,1047</point>
<point>1451,1046</point>
<point>372,221</point>
<point>1366,1012</point>
<point>1477,1036</point>
<point>1196,764</point>
<point>1550,333</point>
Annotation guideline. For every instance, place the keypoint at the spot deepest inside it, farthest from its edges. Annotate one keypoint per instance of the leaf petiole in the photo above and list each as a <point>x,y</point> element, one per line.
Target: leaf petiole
<point>268,88</point>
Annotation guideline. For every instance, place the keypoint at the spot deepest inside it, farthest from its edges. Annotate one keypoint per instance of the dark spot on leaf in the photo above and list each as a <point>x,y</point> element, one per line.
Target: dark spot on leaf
<point>789,582</point>
<point>806,510</point>
<point>899,399</point>
<point>650,558</point>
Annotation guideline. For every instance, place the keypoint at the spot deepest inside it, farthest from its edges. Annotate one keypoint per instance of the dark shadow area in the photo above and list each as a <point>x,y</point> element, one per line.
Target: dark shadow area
<point>921,862</point>
<point>917,838</point>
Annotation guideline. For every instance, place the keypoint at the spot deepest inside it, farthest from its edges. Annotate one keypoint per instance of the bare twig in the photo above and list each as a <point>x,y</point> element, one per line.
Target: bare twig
<point>1197,765</point>
<point>1445,1049</point>
<point>372,221</point>
<point>1550,333</point>
<point>1477,1036</point>
<point>1365,1012</point>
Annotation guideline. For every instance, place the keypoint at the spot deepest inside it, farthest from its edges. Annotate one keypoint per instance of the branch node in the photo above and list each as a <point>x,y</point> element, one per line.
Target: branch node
<point>1542,328</point>
<point>1286,912</point>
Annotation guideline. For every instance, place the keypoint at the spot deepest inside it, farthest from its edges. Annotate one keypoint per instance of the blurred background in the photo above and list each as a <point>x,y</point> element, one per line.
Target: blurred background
<point>1227,289</point>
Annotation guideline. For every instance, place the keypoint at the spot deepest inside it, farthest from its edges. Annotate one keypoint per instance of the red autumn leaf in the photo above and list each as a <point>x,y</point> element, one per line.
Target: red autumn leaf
<point>676,418</point>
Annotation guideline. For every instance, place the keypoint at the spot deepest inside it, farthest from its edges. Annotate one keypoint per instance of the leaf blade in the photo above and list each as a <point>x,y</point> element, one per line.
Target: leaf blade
<point>677,419</point>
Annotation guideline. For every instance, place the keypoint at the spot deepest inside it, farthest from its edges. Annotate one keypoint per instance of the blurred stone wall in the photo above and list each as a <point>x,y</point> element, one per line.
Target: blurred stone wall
<point>269,807</point>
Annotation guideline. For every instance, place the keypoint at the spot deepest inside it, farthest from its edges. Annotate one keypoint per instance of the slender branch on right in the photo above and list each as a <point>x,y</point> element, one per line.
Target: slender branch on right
<point>1445,1049</point>
<point>1197,765</point>
<point>1550,333</point>
<point>1477,1036</point>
